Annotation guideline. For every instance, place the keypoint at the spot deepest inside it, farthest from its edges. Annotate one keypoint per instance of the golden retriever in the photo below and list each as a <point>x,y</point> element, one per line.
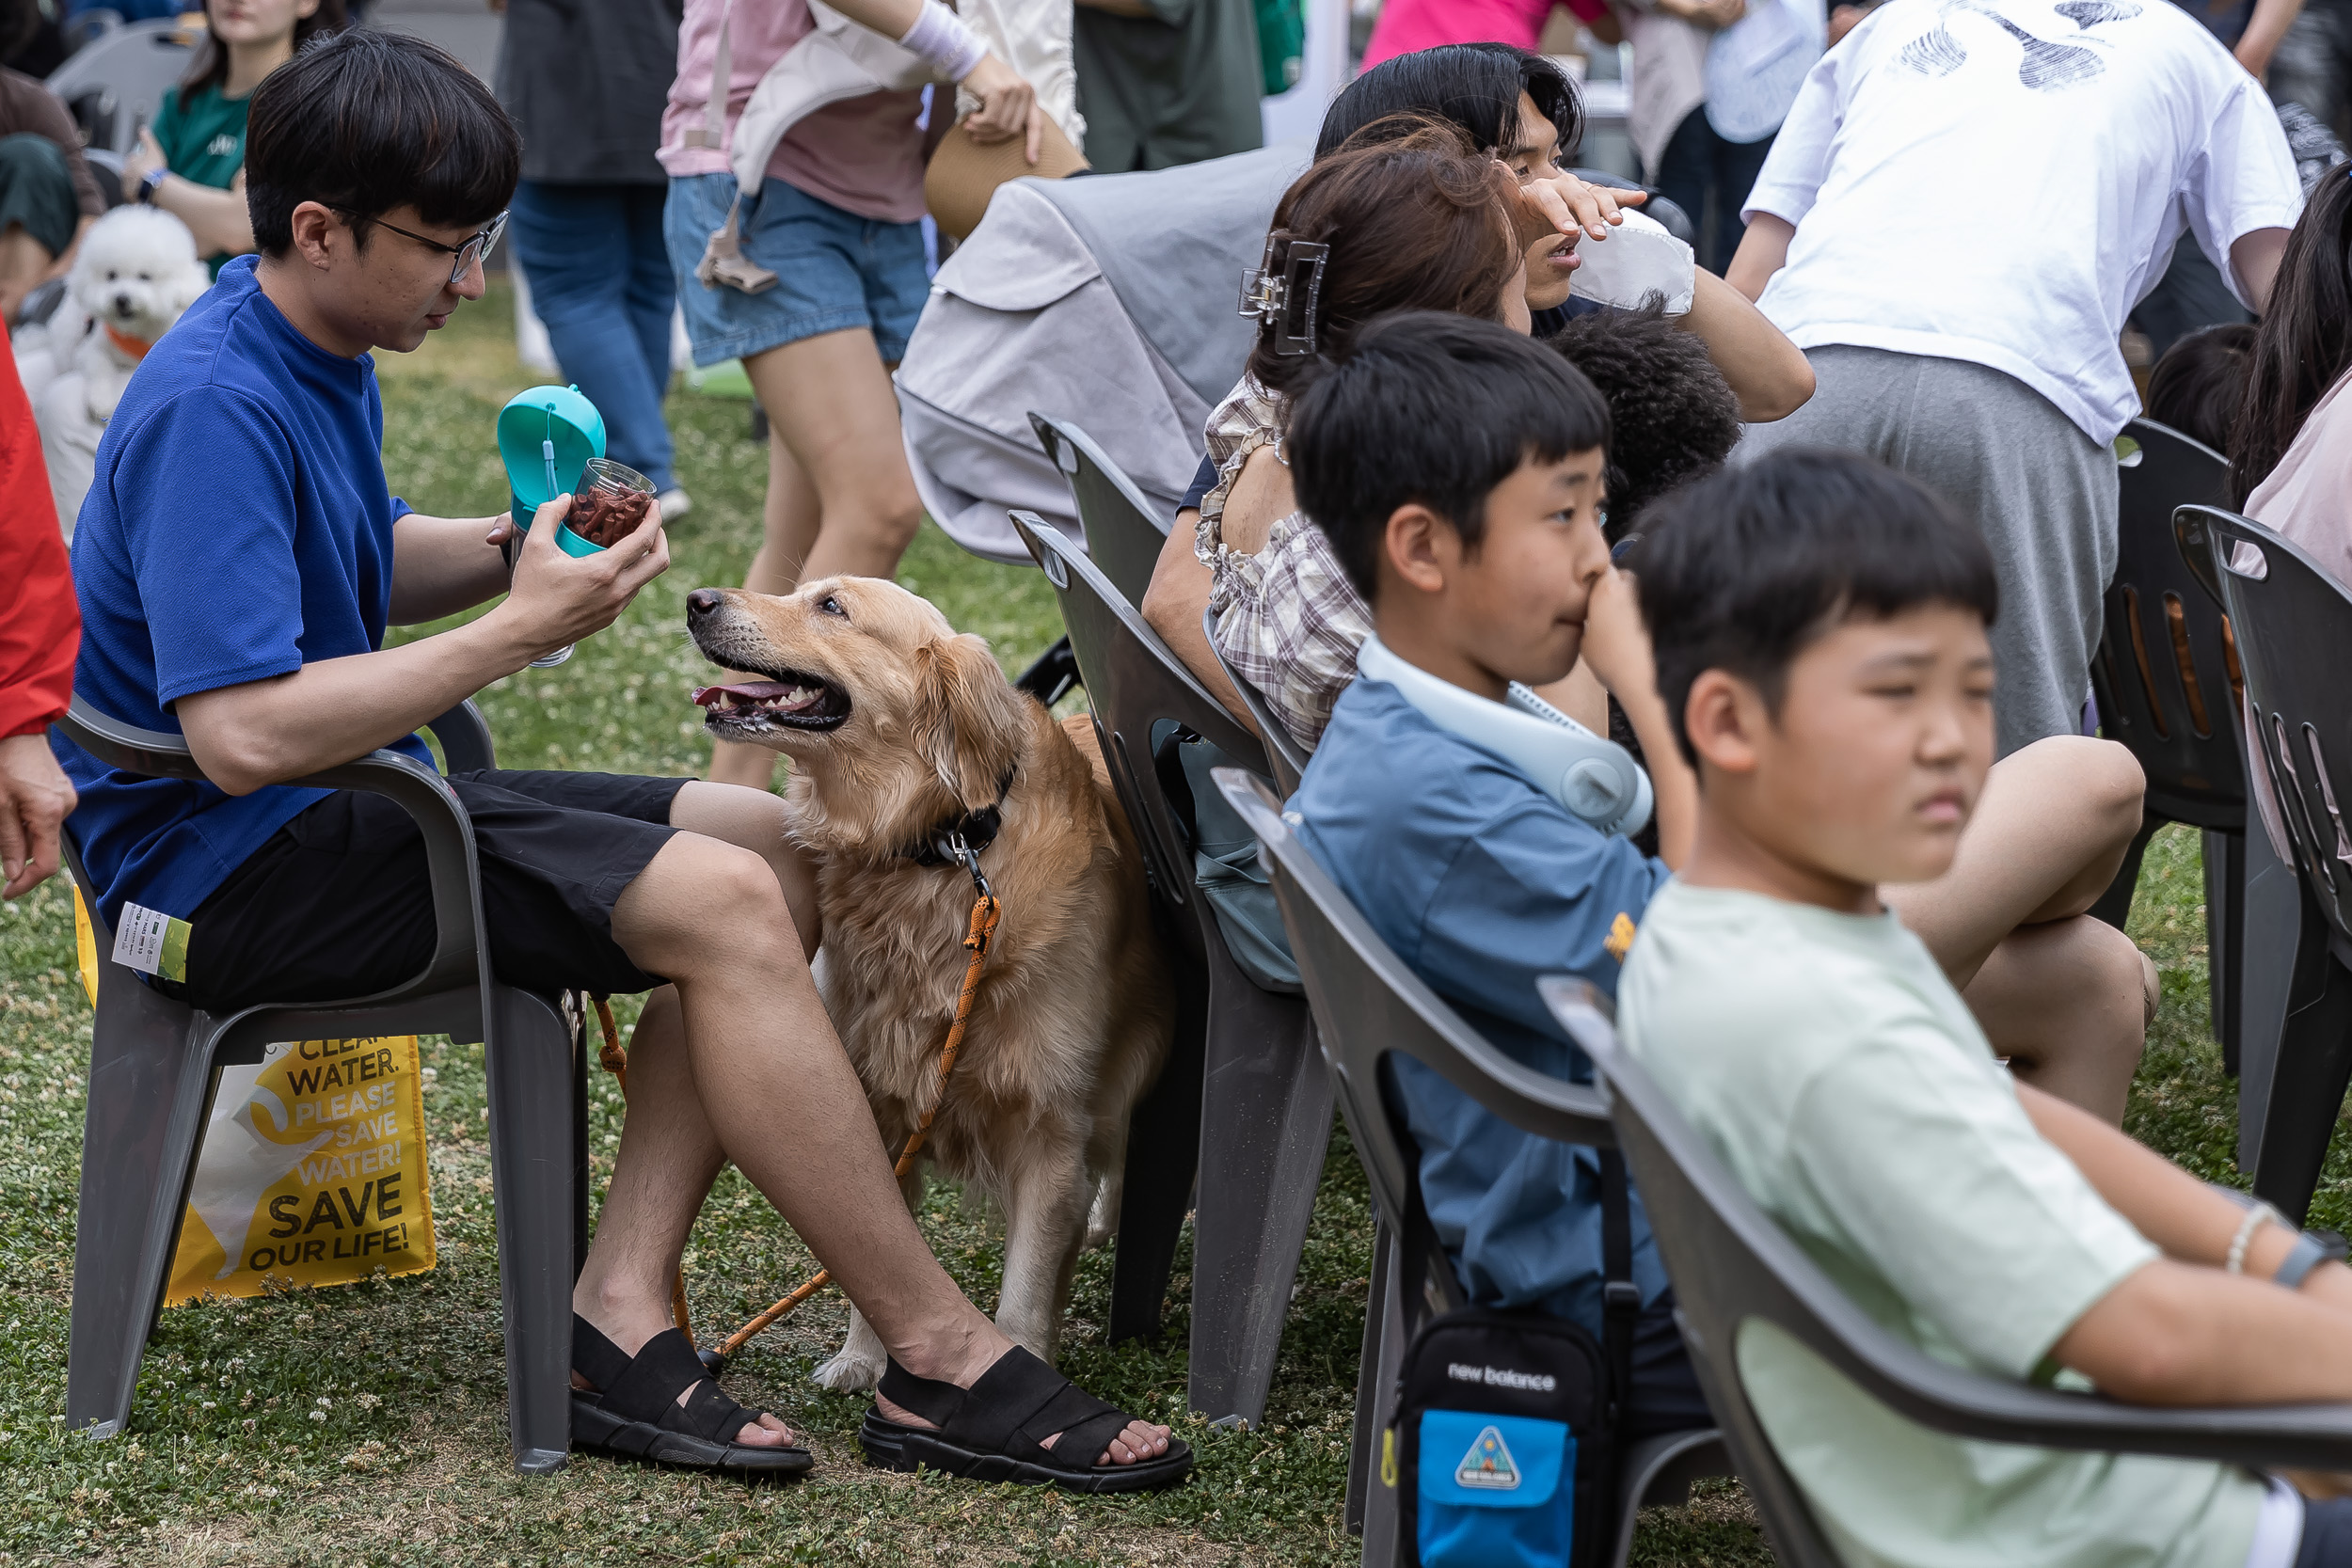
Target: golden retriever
<point>898,727</point>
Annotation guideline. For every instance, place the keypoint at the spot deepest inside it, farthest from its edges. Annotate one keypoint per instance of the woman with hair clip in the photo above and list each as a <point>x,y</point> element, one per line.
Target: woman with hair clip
<point>191,161</point>
<point>2291,450</point>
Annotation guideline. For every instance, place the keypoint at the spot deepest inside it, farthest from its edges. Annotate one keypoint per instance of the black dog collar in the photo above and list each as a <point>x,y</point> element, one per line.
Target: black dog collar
<point>976,828</point>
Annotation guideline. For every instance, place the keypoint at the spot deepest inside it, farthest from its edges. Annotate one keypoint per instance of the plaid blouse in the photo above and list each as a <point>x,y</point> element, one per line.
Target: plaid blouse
<point>1287,619</point>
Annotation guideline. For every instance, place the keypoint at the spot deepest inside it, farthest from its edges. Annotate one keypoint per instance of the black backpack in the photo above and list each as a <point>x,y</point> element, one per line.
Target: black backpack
<point>1505,1442</point>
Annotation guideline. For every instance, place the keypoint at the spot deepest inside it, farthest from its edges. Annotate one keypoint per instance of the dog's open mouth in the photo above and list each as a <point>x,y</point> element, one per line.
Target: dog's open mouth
<point>796,702</point>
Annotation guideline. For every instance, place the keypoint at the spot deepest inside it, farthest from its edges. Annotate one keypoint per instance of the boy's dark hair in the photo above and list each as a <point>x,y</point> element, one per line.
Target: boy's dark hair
<point>364,122</point>
<point>2199,384</point>
<point>1432,408</point>
<point>1743,570</point>
<point>1672,417</point>
<point>1476,86</point>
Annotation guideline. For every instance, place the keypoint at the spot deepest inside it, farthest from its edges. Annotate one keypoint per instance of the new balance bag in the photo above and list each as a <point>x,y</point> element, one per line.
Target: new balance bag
<point>1504,1441</point>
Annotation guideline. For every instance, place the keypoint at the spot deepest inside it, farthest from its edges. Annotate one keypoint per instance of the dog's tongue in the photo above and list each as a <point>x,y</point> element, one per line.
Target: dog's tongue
<point>748,691</point>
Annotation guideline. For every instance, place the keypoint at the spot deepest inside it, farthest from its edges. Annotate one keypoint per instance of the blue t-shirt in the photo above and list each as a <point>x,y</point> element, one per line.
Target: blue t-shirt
<point>1484,884</point>
<point>237,527</point>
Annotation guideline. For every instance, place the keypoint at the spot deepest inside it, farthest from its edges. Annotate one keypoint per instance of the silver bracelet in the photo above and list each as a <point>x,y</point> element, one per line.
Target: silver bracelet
<point>2256,1217</point>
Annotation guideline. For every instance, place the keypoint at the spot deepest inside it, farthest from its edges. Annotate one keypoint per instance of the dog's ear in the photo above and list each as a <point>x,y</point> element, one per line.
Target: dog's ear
<point>968,719</point>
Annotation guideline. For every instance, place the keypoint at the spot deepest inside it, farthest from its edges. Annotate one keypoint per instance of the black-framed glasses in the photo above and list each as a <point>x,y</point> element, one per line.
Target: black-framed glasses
<point>476,248</point>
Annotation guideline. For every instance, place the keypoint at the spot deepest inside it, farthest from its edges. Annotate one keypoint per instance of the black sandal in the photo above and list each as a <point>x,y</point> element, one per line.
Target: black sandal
<point>991,1432</point>
<point>634,1411</point>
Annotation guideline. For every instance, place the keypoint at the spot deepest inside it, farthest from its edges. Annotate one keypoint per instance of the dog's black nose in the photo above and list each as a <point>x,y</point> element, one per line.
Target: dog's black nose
<point>702,601</point>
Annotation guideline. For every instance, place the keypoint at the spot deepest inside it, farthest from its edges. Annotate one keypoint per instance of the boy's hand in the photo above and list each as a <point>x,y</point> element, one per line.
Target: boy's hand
<point>1577,208</point>
<point>558,598</point>
<point>1616,642</point>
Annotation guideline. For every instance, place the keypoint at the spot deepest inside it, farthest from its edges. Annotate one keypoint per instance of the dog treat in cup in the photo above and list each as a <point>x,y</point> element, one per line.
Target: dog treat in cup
<point>610,503</point>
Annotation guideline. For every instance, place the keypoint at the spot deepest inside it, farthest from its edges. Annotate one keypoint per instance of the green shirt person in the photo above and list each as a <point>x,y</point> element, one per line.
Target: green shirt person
<point>1167,82</point>
<point>190,161</point>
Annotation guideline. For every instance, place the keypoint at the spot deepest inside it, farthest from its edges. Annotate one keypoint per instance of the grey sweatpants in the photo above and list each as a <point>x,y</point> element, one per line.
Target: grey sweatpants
<point>2042,492</point>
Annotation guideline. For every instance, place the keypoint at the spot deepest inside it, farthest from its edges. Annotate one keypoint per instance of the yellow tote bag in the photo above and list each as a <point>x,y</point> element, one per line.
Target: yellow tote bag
<point>312,1170</point>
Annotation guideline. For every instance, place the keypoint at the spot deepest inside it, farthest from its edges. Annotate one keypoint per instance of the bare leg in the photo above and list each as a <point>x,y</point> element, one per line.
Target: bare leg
<point>758,1062</point>
<point>2065,1001</point>
<point>755,820</point>
<point>2047,983</point>
<point>840,500</point>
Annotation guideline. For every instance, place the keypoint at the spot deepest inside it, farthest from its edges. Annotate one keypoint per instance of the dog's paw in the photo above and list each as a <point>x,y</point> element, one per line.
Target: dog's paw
<point>849,1373</point>
<point>1102,1215</point>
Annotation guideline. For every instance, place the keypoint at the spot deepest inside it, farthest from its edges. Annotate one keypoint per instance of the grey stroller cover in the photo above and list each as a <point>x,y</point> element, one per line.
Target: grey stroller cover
<point>1108,300</point>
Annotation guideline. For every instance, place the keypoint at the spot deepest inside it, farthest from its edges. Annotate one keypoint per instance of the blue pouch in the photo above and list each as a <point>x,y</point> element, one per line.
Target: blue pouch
<point>1494,1491</point>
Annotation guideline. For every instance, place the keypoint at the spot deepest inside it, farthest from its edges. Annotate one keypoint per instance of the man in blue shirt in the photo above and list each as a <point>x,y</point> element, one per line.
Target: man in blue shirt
<point>238,559</point>
<point>1475,535</point>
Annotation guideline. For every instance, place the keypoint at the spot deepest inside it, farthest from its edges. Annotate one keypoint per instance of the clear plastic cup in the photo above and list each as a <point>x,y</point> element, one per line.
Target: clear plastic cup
<point>609,503</point>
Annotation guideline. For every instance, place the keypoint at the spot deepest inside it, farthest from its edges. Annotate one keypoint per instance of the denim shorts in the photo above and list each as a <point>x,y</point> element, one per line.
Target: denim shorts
<point>833,270</point>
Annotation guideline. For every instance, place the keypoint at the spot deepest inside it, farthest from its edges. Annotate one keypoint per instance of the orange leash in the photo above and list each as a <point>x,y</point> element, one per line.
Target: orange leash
<point>985,910</point>
<point>982,930</point>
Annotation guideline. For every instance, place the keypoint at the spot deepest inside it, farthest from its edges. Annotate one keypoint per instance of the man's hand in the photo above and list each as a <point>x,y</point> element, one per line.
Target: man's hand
<point>35,799</point>
<point>558,598</point>
<point>1575,207</point>
<point>1008,107</point>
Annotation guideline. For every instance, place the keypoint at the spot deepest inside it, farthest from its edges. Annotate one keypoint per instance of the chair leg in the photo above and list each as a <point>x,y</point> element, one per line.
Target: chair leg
<point>2115,904</point>
<point>1363,1458</point>
<point>583,1180</point>
<point>2307,1082</point>
<point>2225,936</point>
<point>150,1087</point>
<point>1265,1124</point>
<point>1163,1145</point>
<point>1384,1316</point>
<point>528,1053</point>
<point>2269,926</point>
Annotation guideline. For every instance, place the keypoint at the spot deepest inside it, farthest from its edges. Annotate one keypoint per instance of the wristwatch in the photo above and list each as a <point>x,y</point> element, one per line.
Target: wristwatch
<point>2312,1248</point>
<point>148,182</point>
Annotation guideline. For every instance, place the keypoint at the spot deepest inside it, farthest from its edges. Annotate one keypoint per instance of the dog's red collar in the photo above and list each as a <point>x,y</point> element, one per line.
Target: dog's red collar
<point>135,348</point>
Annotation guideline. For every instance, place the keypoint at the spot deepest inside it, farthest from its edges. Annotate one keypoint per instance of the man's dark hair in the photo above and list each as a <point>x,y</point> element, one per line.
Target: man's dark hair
<point>2199,384</point>
<point>364,122</point>
<point>1476,86</point>
<point>1431,408</point>
<point>1741,571</point>
<point>1672,417</point>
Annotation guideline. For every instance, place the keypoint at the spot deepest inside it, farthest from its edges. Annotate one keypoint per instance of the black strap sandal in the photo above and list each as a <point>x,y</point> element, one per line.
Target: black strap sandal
<point>634,1411</point>
<point>992,1432</point>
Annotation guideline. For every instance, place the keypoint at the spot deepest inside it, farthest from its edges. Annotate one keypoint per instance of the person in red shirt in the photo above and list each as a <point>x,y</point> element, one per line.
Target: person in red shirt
<point>40,631</point>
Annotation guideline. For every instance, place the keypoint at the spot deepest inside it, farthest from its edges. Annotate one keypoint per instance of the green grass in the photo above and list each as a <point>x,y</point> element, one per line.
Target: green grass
<point>366,1424</point>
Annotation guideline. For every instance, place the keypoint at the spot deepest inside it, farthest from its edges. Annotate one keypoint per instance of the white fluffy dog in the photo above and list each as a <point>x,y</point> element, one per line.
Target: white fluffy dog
<point>135,274</point>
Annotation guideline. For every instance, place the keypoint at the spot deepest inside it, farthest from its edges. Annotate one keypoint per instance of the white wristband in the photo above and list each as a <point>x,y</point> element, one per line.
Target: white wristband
<point>940,37</point>
<point>2256,1217</point>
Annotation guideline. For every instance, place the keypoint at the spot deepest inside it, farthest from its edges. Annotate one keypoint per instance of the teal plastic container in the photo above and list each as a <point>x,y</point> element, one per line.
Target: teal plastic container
<point>545,437</point>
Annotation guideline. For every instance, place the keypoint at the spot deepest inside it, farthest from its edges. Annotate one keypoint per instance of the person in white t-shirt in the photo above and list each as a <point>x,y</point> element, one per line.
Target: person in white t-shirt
<point>1818,627</point>
<point>1964,203</point>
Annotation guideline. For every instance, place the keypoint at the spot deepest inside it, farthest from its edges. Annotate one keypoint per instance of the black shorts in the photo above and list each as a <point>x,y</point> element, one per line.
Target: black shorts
<point>337,902</point>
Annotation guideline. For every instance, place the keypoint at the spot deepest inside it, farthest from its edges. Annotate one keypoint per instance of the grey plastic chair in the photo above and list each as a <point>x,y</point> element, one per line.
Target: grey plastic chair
<point>154,1068</point>
<point>115,82</point>
<point>1123,530</point>
<point>2293,622</point>
<point>2167,682</point>
<point>1733,1266</point>
<point>1242,1094</point>
<point>1285,755</point>
<point>1368,1004</point>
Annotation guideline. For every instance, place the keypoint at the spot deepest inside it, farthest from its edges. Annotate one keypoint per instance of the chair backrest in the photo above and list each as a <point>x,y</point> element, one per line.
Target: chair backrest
<point>1368,1003</point>
<point>1141,695</point>
<point>1732,1266</point>
<point>2292,623</point>
<point>1123,531</point>
<point>1283,752</point>
<point>115,83</point>
<point>2166,672</point>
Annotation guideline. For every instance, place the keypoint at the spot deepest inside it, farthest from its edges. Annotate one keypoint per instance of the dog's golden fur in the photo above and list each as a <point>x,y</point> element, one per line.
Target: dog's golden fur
<point>1073,1016</point>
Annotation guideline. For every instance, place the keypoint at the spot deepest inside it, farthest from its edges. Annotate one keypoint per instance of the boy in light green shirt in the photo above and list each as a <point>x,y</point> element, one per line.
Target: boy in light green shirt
<point>1819,623</point>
